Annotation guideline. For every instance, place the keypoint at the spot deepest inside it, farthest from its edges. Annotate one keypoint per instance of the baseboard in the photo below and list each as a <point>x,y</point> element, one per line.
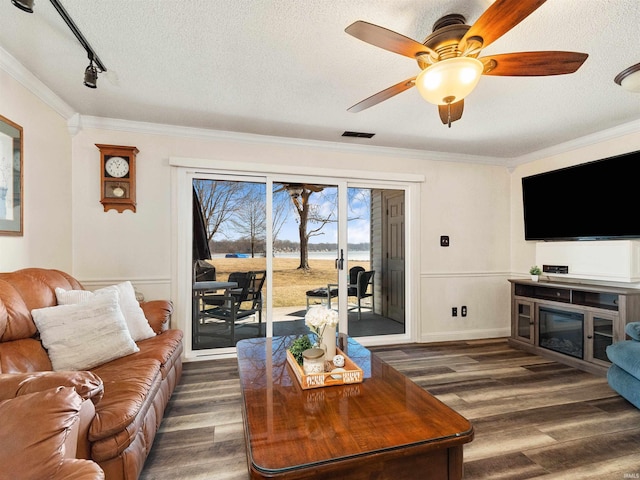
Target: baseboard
<point>465,335</point>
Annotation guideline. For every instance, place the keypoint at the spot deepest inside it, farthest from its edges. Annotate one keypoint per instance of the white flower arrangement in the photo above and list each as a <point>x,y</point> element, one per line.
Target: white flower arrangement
<point>318,318</point>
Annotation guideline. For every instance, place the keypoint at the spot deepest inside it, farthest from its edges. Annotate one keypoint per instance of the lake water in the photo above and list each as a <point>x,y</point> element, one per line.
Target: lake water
<point>355,255</point>
<point>360,256</point>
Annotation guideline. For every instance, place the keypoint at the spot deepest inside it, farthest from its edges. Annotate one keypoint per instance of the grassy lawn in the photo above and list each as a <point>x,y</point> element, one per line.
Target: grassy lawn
<point>289,283</point>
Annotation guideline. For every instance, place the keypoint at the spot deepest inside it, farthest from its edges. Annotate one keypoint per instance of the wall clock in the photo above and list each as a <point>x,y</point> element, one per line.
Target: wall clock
<point>117,177</point>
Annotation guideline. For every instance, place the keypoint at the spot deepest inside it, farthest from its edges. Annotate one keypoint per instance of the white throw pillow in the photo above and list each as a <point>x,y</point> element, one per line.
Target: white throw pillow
<point>136,321</point>
<point>84,335</point>
<point>71,297</point>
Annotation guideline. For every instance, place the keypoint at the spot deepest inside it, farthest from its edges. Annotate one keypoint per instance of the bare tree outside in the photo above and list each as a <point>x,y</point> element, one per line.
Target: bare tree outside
<point>219,200</point>
<point>250,221</point>
<point>308,213</point>
<point>279,212</point>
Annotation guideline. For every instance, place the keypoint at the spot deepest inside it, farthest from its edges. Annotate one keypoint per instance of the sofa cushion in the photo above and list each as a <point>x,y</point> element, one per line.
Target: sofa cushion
<point>15,319</point>
<point>81,336</point>
<point>136,321</point>
<point>26,355</point>
<point>34,429</point>
<point>626,355</point>
<point>161,347</point>
<point>128,382</point>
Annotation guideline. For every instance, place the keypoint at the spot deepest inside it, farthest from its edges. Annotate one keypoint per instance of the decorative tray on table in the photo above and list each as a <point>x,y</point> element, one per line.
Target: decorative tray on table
<point>350,373</point>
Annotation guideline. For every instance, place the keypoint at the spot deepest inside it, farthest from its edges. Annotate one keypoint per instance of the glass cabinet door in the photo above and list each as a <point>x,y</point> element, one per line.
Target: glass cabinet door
<point>600,336</point>
<point>524,321</point>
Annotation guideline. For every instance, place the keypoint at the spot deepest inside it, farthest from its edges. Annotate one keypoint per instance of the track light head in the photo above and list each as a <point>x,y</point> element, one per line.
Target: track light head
<point>24,5</point>
<point>91,76</point>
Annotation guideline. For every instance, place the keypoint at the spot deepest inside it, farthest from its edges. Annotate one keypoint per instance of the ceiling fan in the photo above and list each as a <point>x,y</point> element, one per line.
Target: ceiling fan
<point>448,58</point>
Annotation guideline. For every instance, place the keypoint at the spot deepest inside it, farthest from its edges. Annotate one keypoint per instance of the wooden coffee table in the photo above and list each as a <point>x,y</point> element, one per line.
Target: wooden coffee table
<point>386,427</point>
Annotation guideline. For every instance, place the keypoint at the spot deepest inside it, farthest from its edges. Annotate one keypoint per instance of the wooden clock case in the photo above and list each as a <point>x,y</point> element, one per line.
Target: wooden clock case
<point>118,193</point>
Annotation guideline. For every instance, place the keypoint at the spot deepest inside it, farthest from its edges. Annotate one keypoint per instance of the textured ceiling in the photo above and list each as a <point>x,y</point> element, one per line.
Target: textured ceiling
<point>287,68</point>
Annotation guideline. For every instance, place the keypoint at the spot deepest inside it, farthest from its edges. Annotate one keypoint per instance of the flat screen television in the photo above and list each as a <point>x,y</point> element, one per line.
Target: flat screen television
<point>598,200</point>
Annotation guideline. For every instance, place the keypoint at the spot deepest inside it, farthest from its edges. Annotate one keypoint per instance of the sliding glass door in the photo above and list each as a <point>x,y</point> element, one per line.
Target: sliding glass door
<point>266,249</point>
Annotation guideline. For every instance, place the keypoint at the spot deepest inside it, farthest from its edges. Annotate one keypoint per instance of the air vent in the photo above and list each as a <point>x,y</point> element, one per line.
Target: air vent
<point>358,134</point>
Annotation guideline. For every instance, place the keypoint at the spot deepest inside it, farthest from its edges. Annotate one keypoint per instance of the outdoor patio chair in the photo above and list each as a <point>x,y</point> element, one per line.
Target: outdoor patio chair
<point>239,304</point>
<point>361,289</point>
<point>217,299</point>
<point>353,275</point>
<point>203,271</point>
<point>324,294</point>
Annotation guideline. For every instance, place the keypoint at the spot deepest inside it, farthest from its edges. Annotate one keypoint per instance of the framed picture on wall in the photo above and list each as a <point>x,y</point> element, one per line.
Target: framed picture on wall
<point>11,194</point>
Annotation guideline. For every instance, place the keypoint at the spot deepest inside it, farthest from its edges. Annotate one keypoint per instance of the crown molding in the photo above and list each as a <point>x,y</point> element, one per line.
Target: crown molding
<point>629,128</point>
<point>23,76</point>
<point>250,138</point>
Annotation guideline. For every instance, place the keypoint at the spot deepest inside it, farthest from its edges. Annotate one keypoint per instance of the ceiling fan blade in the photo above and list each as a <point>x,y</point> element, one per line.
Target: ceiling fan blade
<point>451,113</point>
<point>531,64</point>
<point>387,39</point>
<point>498,19</point>
<point>383,95</point>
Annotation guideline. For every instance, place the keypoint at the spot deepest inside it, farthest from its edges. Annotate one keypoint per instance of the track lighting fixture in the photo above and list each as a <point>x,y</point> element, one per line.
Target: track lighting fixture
<point>91,75</point>
<point>24,5</point>
<point>91,72</point>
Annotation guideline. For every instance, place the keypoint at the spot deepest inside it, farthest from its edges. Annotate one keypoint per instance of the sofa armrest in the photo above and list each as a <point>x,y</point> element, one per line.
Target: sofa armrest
<point>158,314</point>
<point>34,431</point>
<point>633,330</point>
<point>87,384</point>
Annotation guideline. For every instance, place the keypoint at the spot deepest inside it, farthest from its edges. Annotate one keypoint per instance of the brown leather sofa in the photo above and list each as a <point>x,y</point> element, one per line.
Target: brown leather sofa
<point>128,394</point>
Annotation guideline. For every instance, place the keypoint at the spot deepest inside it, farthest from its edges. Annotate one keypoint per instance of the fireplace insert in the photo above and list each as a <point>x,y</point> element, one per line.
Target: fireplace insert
<point>561,331</point>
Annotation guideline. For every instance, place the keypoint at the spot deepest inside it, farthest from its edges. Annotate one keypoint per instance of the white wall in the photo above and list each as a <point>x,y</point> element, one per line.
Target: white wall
<point>46,240</point>
<point>109,246</point>
<point>523,253</point>
<point>468,202</point>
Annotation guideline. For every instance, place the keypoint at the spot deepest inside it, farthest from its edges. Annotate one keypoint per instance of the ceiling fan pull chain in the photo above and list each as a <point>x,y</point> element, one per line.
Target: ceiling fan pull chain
<point>449,101</point>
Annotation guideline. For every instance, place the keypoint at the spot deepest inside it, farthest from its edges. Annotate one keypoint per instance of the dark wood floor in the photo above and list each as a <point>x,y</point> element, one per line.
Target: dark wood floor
<point>534,418</point>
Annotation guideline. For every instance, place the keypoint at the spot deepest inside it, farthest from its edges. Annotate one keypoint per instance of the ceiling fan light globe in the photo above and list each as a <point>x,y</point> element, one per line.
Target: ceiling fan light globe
<point>629,78</point>
<point>450,80</point>
<point>631,82</point>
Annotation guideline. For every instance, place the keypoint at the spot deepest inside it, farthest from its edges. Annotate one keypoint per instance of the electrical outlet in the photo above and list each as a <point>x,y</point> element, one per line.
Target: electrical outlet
<point>463,310</point>
<point>444,241</point>
<point>454,311</point>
